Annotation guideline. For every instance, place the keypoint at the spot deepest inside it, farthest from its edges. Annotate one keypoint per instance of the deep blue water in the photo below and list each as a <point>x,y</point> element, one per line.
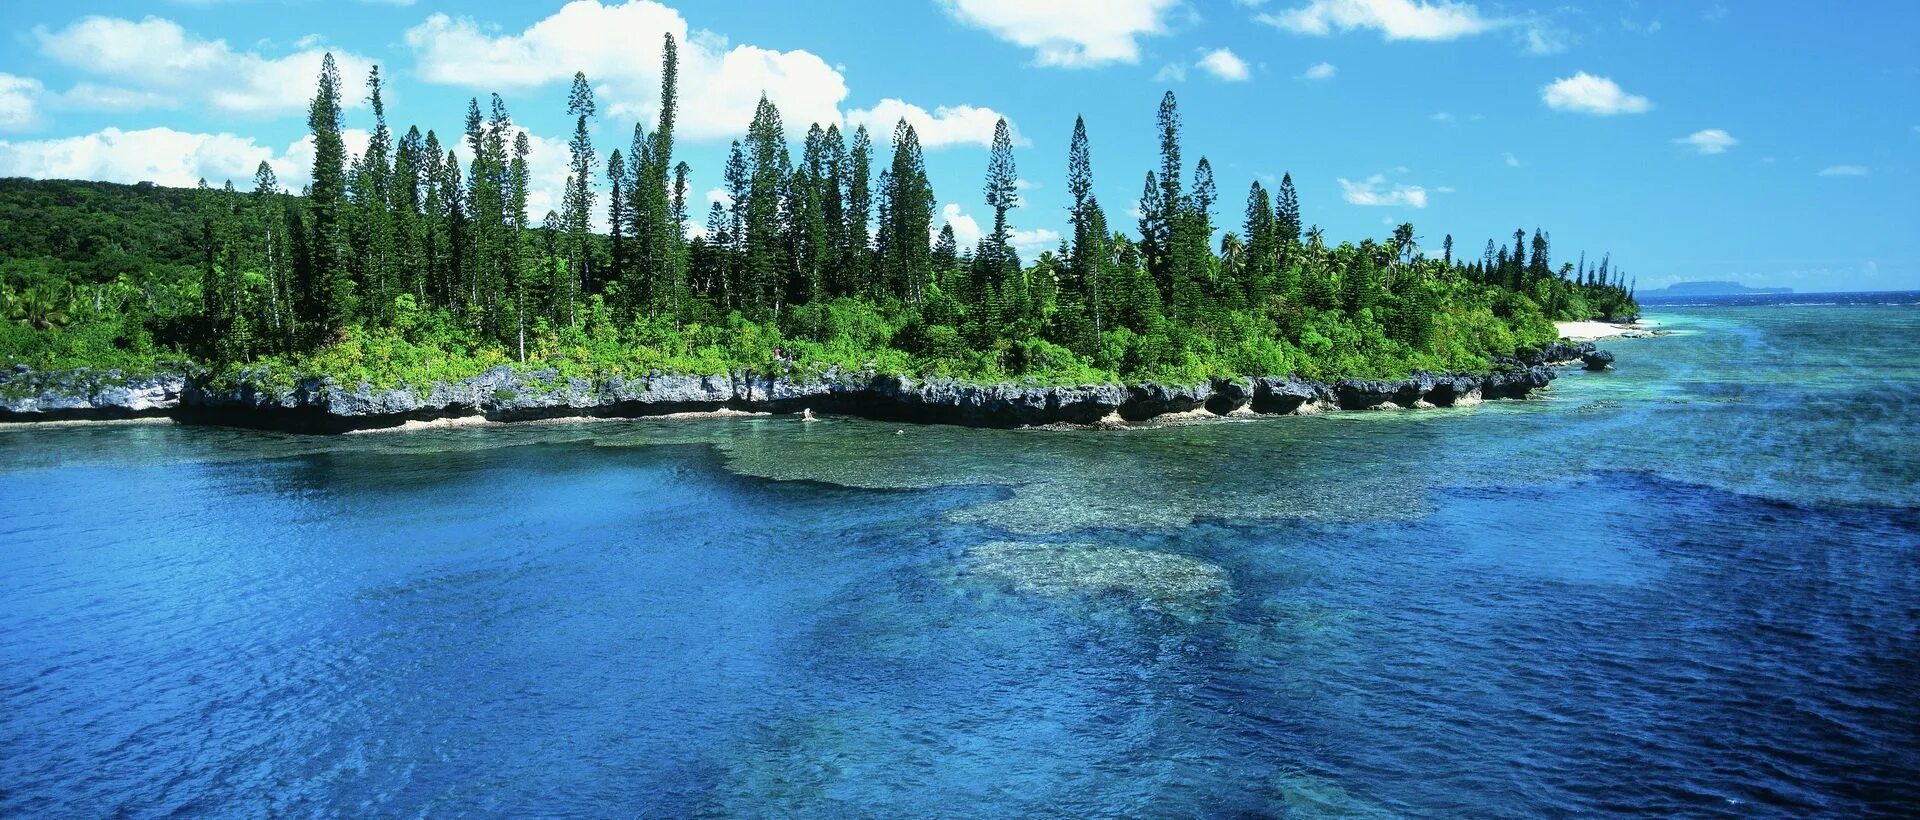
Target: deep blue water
<point>1687,587</point>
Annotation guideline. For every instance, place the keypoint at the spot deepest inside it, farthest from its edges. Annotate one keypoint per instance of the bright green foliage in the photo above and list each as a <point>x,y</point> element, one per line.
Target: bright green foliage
<point>403,270</point>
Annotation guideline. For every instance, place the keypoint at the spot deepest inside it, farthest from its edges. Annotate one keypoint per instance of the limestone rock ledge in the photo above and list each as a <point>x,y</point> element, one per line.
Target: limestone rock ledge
<point>504,394</point>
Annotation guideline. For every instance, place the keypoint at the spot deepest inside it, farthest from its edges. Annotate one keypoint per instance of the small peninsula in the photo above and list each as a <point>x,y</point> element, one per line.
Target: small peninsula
<point>410,282</point>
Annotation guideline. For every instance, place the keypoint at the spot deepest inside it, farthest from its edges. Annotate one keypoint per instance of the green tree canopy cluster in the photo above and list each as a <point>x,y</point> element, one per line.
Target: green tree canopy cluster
<point>405,264</point>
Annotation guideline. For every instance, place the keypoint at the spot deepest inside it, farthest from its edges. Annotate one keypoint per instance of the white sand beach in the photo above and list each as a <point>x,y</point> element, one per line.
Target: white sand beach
<point>1597,331</point>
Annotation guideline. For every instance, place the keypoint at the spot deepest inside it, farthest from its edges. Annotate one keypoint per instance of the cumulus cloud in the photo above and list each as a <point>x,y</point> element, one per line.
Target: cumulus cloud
<point>1320,71</point>
<point>1844,171</point>
<point>1225,64</point>
<point>23,100</point>
<point>1589,94</point>
<point>1031,242</point>
<point>19,102</point>
<point>1708,141</point>
<point>1069,33</point>
<point>966,230</point>
<point>1394,19</point>
<point>617,46</point>
<point>162,63</point>
<point>947,125</point>
<point>1375,191</point>
<point>159,155</point>
<point>967,233</point>
<point>165,156</point>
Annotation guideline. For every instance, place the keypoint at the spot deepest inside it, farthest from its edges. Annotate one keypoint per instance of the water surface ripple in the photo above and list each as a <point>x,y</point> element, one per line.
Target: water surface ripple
<point>1690,587</point>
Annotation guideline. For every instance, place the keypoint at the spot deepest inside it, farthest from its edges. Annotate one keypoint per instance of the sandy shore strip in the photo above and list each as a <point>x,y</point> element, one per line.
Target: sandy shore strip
<point>1599,331</point>
<point>482,421</point>
<point>42,425</point>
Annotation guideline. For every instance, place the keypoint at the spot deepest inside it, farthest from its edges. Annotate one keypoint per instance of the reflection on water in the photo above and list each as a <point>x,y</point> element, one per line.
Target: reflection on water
<point>1686,586</point>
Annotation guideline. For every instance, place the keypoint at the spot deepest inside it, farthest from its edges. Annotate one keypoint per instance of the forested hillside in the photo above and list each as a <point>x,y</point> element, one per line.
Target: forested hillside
<point>408,264</point>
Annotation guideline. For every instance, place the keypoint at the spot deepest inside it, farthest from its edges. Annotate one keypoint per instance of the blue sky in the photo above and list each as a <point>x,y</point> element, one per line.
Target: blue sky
<point>1754,141</point>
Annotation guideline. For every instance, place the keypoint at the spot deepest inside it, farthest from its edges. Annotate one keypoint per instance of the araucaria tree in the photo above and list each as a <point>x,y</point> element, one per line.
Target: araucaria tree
<point>423,251</point>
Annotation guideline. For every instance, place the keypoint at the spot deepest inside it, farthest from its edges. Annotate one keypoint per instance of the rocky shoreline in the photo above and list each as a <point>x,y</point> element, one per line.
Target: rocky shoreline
<point>503,394</point>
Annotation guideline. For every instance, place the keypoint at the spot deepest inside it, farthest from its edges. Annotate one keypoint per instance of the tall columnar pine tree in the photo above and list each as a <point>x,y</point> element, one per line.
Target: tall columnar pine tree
<point>1286,217</point>
<point>580,194</point>
<point>1091,252</point>
<point>408,271</point>
<point>1002,193</point>
<point>526,276</point>
<point>326,295</point>
<point>907,217</point>
<point>618,184</point>
<point>371,238</point>
<point>403,228</point>
<point>858,250</point>
<point>1259,274</point>
<point>1158,244</point>
<point>833,212</point>
<point>768,169</point>
<point>737,181</point>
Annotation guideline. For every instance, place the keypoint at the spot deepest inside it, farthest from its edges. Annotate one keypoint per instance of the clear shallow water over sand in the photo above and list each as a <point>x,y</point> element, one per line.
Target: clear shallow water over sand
<point>1688,586</point>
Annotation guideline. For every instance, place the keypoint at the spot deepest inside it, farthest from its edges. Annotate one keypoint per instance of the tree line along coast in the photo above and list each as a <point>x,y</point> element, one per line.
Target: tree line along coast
<point>405,266</point>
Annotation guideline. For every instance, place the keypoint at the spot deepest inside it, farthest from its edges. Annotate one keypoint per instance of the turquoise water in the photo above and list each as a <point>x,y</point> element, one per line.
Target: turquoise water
<point>1688,586</point>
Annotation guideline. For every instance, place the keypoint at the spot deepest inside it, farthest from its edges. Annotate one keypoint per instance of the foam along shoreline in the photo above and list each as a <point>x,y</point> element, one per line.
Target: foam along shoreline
<point>1602,331</point>
<point>506,395</point>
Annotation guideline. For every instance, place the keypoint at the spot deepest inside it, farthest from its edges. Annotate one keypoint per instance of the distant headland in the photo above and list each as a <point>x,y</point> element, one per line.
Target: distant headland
<point>1710,289</point>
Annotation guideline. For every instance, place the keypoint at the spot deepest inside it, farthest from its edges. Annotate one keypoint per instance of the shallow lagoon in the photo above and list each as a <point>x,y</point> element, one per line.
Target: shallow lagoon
<point>1691,585</point>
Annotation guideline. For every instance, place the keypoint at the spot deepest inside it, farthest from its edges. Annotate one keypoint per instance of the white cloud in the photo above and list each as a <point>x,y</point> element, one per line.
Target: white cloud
<point>1171,73</point>
<point>180,159</point>
<point>1394,19</point>
<point>1225,64</point>
<point>967,233</point>
<point>1069,33</point>
<point>1320,71</point>
<point>1374,191</point>
<point>1430,20</point>
<point>1844,171</point>
<point>294,167</point>
<point>1512,161</point>
<point>1442,116</point>
<point>618,47</point>
<point>966,230</point>
<point>947,125</point>
<point>159,155</point>
<point>1031,242</point>
<point>24,99</point>
<point>1589,94</point>
<point>162,61</point>
<point>19,102</point>
<point>1708,141</point>
<point>1540,38</point>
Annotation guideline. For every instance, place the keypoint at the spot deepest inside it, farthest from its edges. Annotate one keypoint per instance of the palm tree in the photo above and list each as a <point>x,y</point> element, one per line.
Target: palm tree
<point>41,307</point>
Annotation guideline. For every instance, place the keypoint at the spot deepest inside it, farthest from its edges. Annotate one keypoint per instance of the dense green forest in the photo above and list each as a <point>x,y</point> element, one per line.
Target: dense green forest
<point>405,265</point>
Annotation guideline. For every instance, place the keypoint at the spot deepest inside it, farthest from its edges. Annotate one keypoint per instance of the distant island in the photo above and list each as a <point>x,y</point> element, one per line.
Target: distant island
<point>1710,289</point>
